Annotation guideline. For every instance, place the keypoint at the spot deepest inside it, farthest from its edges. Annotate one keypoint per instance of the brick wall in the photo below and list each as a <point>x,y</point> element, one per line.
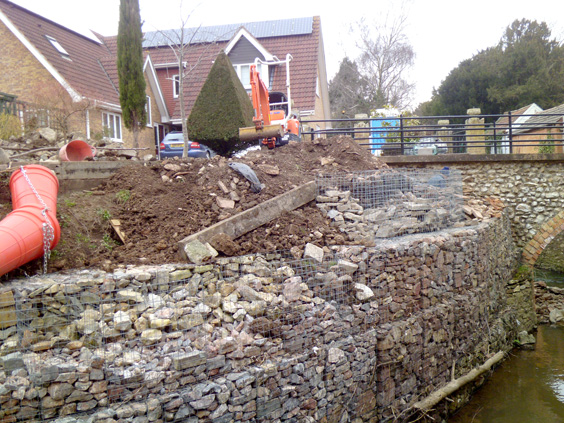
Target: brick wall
<point>21,72</point>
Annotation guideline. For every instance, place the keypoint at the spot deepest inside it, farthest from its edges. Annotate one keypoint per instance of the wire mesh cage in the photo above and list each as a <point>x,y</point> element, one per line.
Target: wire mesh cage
<point>289,293</point>
<point>386,203</point>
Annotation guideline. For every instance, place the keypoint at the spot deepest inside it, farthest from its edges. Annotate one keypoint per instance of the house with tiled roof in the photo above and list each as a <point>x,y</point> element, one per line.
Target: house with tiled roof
<point>37,52</point>
<point>544,128</point>
<point>518,118</point>
<point>42,58</point>
<point>289,54</point>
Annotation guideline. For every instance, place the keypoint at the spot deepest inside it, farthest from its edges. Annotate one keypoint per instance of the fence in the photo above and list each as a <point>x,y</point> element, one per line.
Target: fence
<point>30,115</point>
<point>507,133</point>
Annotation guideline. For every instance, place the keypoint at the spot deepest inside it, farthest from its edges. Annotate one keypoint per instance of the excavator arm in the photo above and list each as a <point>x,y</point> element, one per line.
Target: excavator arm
<point>263,128</point>
<point>261,103</point>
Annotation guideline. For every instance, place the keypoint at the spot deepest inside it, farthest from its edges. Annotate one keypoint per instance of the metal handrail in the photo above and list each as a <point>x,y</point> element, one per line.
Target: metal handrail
<point>496,134</point>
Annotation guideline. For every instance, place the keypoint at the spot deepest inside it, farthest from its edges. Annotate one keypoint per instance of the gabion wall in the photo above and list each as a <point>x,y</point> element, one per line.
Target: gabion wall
<point>386,203</point>
<point>361,335</point>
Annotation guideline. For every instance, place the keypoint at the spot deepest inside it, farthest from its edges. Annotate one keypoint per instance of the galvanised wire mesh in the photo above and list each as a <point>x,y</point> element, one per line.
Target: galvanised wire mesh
<point>283,295</point>
<point>115,341</point>
<point>387,203</point>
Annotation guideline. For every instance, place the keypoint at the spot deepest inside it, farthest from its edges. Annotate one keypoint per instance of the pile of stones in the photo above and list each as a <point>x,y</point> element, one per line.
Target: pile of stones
<point>381,204</point>
<point>69,347</point>
<point>353,337</point>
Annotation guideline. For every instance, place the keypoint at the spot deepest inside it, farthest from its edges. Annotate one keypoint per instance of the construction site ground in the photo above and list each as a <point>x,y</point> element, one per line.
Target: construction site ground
<point>161,202</point>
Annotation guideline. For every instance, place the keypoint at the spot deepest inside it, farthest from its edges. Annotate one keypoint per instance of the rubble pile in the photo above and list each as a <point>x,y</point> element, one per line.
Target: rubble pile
<point>44,144</point>
<point>385,204</point>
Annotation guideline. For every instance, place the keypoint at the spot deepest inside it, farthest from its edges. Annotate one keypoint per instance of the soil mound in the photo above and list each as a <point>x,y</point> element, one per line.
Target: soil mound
<point>159,203</point>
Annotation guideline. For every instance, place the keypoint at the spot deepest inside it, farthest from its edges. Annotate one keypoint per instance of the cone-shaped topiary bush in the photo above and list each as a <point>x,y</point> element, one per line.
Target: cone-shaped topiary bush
<point>222,107</point>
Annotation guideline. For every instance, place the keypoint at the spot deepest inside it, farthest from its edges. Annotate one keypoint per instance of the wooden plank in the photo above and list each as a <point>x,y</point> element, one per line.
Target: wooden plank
<point>116,225</point>
<point>250,219</point>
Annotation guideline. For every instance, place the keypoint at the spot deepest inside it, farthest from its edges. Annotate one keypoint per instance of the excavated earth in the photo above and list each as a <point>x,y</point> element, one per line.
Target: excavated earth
<point>158,203</point>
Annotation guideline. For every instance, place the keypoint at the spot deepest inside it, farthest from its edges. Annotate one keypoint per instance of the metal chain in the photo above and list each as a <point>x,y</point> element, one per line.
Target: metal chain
<point>48,230</point>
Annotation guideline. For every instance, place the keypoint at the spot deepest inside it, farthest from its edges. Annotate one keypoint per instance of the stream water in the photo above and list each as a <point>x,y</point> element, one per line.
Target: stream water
<point>528,387</point>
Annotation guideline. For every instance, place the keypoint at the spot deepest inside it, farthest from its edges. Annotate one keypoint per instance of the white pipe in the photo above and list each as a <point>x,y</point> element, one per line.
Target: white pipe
<point>288,58</point>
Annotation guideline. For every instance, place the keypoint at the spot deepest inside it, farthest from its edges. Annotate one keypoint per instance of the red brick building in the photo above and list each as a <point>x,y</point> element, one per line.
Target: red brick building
<point>39,55</point>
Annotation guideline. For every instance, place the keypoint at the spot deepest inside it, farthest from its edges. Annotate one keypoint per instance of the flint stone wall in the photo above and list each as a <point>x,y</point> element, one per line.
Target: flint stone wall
<point>358,338</point>
<point>530,186</point>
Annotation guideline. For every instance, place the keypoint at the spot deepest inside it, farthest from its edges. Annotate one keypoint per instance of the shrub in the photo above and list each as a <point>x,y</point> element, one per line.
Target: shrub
<point>222,107</point>
<point>9,126</point>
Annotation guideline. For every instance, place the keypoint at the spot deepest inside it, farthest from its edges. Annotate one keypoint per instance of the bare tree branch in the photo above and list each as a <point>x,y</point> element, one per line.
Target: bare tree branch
<point>386,57</point>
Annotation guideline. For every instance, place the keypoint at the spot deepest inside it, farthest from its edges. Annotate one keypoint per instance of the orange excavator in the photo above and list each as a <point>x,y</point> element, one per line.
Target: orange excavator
<point>273,128</point>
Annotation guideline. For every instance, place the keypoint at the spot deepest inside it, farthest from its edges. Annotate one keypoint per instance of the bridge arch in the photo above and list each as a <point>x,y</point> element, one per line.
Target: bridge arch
<point>545,234</point>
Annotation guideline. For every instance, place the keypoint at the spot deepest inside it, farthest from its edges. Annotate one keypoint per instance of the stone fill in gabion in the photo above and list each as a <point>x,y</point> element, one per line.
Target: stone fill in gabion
<point>386,203</point>
<point>358,336</point>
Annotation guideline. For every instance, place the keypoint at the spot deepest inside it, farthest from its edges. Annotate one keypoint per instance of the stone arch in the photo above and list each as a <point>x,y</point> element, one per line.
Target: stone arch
<point>546,233</point>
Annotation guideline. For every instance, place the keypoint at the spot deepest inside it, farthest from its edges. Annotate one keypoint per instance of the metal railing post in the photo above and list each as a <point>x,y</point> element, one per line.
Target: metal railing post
<point>510,133</point>
<point>401,134</point>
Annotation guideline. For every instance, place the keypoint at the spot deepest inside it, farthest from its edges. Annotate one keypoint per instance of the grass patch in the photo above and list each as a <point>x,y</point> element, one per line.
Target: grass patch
<point>123,196</point>
<point>104,214</point>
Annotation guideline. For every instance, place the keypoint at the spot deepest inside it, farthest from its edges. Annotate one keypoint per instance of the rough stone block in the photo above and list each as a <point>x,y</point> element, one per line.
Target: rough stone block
<point>188,360</point>
<point>314,252</point>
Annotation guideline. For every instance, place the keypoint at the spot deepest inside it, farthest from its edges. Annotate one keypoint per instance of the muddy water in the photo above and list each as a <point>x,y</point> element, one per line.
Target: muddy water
<point>551,278</point>
<point>527,388</point>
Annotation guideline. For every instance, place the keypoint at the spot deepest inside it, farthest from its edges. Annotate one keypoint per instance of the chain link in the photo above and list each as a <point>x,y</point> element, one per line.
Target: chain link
<point>48,230</point>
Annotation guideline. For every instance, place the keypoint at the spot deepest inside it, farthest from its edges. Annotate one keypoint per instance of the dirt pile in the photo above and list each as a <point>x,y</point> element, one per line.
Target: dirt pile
<point>159,203</point>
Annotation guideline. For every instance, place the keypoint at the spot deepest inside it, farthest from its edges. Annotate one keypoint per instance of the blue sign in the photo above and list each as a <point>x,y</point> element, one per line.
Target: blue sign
<point>379,132</point>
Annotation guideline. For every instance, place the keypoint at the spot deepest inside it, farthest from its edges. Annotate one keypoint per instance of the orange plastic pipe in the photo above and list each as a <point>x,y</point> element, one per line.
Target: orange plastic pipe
<point>22,231</point>
<point>76,151</point>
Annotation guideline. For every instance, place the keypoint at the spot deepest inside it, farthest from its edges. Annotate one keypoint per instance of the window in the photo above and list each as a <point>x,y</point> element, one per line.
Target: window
<point>58,47</point>
<point>148,111</point>
<point>112,126</point>
<point>244,73</point>
<point>175,86</point>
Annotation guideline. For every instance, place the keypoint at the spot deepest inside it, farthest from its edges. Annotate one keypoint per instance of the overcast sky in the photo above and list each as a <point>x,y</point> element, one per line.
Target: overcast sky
<point>442,32</point>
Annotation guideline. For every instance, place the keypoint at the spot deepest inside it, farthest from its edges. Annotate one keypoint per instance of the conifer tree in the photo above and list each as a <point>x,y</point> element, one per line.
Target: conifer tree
<point>221,108</point>
<point>132,95</point>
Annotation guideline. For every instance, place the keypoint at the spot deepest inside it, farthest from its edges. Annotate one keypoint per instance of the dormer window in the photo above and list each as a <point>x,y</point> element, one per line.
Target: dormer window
<point>243,71</point>
<point>65,54</point>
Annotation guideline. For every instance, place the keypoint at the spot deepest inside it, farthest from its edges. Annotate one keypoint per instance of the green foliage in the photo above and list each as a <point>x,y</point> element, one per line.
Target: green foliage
<point>70,203</point>
<point>546,149</point>
<point>9,126</point>
<point>108,243</point>
<point>525,67</point>
<point>104,214</point>
<point>84,239</point>
<point>105,133</point>
<point>122,196</point>
<point>523,273</point>
<point>55,255</point>
<point>547,146</point>
<point>132,86</point>
<point>63,220</point>
<point>222,107</point>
